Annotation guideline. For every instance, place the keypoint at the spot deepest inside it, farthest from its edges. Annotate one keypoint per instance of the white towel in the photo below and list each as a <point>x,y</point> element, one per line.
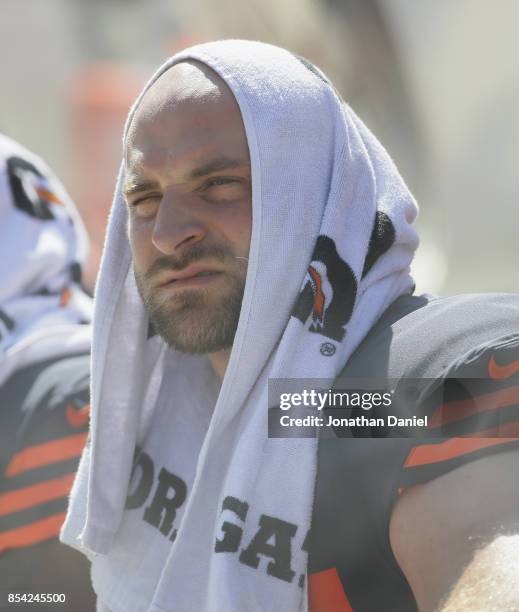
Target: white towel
<point>330,249</point>
<point>42,246</point>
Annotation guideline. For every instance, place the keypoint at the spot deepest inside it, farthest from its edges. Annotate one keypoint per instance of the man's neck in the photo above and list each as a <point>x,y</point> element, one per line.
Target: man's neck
<point>219,362</point>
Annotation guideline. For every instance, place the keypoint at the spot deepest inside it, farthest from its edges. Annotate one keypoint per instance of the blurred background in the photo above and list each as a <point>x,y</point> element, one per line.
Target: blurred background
<point>435,81</point>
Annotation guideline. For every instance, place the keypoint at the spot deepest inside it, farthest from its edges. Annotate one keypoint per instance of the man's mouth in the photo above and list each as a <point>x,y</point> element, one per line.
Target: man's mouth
<point>192,275</point>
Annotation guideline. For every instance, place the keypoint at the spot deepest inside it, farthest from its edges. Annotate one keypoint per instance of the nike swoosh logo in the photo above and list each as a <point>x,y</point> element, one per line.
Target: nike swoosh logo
<point>77,417</point>
<point>502,372</point>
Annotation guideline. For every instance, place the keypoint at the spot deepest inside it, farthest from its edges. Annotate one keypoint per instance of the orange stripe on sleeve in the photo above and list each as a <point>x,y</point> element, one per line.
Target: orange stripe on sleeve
<point>456,411</point>
<point>455,447</point>
<point>326,594</point>
<point>504,430</point>
<point>14,501</point>
<point>46,453</point>
<point>41,530</point>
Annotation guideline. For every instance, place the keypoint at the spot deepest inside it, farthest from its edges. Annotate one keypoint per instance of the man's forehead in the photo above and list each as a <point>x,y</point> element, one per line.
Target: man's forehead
<point>187,99</point>
<point>188,154</point>
<point>181,86</point>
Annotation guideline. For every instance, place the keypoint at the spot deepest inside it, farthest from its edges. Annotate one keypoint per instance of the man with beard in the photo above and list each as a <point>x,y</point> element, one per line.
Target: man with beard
<point>191,282</point>
<point>259,232</point>
<point>45,338</point>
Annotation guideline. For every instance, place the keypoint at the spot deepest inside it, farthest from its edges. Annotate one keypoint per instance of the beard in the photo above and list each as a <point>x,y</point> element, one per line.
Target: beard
<point>201,320</point>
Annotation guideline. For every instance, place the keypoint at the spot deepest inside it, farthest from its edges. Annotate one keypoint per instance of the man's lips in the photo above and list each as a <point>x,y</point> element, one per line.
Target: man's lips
<point>192,274</point>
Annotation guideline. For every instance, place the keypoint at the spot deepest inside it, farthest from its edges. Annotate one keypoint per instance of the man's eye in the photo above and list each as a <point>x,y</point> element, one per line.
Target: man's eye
<point>221,188</point>
<point>144,206</point>
<point>220,180</point>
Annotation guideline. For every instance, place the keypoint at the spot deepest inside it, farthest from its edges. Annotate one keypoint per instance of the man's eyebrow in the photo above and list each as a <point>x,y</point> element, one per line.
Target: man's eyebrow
<point>215,165</point>
<point>134,186</point>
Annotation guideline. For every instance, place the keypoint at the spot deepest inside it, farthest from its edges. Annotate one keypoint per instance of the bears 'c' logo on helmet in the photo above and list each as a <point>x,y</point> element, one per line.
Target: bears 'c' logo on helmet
<point>31,191</point>
<point>329,293</point>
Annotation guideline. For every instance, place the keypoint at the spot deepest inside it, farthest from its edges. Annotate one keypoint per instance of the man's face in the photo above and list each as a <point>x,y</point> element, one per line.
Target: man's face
<point>188,190</point>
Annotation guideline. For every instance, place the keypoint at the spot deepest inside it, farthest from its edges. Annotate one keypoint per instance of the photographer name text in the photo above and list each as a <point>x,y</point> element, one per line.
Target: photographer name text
<point>357,421</point>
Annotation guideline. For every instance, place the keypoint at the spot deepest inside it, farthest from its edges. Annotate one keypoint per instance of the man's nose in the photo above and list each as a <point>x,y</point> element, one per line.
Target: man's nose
<point>176,226</point>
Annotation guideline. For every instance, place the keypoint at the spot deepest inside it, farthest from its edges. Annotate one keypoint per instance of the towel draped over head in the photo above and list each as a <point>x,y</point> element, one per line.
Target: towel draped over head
<point>42,246</point>
<point>330,249</point>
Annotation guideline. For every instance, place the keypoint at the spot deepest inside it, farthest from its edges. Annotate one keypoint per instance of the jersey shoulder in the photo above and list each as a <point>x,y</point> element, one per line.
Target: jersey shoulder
<point>43,429</point>
<point>454,363</point>
<point>425,336</point>
<point>38,400</point>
